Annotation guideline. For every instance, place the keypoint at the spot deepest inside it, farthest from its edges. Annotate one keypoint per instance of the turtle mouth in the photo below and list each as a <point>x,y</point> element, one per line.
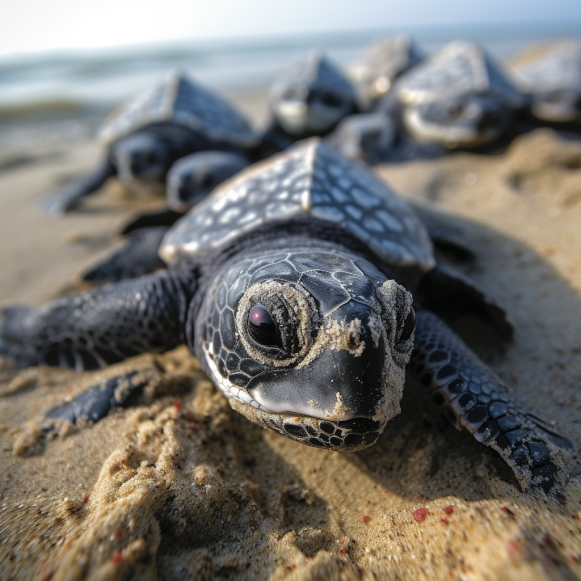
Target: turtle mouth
<point>342,436</point>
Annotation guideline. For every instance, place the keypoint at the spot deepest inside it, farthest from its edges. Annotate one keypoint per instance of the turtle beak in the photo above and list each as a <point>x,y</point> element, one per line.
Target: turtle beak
<point>342,377</point>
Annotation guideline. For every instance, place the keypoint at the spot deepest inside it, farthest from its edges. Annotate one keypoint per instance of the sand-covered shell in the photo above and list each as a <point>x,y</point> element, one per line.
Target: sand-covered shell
<point>376,68</point>
<point>180,100</point>
<point>308,180</point>
<point>460,67</point>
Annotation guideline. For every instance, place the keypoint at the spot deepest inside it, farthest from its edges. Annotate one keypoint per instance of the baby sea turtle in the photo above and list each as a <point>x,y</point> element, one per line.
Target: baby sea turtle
<point>288,283</point>
<point>552,77</point>
<point>458,97</point>
<point>190,180</point>
<point>308,99</point>
<point>369,137</point>
<point>374,71</point>
<point>149,133</point>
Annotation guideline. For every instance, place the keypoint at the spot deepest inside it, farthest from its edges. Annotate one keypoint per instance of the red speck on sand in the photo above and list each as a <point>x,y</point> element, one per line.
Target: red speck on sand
<point>444,521</point>
<point>47,577</point>
<point>69,544</point>
<point>448,509</point>
<point>366,518</point>
<point>421,514</point>
<point>122,461</point>
<point>252,523</point>
<point>513,549</point>
<point>507,510</point>
<point>177,404</point>
<point>344,550</point>
<point>117,558</point>
<point>192,426</point>
<point>85,499</point>
<point>562,500</point>
<point>575,517</point>
<point>117,534</point>
<point>547,541</point>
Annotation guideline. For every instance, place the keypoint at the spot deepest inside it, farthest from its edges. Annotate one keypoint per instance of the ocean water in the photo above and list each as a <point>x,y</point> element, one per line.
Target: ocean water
<point>103,77</point>
<point>75,89</point>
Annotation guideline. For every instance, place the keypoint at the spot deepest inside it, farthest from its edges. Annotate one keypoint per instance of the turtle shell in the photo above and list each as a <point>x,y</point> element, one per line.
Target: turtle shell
<point>309,179</point>
<point>315,70</point>
<point>379,65</point>
<point>549,68</point>
<point>180,100</point>
<point>460,67</point>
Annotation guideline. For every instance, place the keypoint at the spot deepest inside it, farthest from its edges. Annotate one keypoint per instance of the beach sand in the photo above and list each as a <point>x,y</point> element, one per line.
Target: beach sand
<point>182,487</point>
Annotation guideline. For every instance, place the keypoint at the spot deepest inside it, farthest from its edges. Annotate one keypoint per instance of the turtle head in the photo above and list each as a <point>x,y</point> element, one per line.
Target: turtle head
<point>193,177</point>
<point>308,345</point>
<point>142,157</point>
<point>458,121</point>
<point>558,106</point>
<point>312,97</point>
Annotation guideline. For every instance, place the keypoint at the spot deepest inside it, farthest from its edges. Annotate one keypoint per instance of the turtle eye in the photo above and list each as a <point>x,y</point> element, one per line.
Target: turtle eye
<point>408,327</point>
<point>206,181</point>
<point>330,100</point>
<point>262,327</point>
<point>455,110</point>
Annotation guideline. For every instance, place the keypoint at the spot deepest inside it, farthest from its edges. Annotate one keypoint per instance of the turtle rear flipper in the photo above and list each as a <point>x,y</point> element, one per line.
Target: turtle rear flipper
<point>137,258</point>
<point>67,198</point>
<point>452,295</point>
<point>98,327</point>
<point>475,398</point>
<point>446,237</point>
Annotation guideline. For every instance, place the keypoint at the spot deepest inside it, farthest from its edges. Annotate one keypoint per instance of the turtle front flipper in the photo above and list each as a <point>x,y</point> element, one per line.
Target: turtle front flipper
<point>137,258</point>
<point>96,402</point>
<point>98,327</point>
<point>475,398</point>
<point>67,198</point>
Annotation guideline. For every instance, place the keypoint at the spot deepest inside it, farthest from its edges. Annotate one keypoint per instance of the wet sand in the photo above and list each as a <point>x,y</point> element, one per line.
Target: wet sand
<point>182,487</point>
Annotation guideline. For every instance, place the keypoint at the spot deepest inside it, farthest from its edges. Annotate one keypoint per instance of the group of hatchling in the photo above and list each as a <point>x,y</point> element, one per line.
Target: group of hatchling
<point>303,284</point>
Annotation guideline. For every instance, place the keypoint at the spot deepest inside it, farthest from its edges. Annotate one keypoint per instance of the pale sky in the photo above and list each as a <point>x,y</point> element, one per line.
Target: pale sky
<point>34,25</point>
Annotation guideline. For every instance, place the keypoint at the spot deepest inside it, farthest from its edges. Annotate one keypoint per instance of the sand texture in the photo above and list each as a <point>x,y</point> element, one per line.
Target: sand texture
<point>183,487</point>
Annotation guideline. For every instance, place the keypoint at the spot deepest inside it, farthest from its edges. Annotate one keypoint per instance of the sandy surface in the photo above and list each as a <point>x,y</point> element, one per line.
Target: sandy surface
<point>182,487</point>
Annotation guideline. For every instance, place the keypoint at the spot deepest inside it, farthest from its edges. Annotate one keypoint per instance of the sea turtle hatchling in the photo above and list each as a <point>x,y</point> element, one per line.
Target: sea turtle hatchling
<point>375,70</point>
<point>288,283</point>
<point>457,97</point>
<point>307,99</point>
<point>552,77</point>
<point>149,133</point>
<point>190,180</point>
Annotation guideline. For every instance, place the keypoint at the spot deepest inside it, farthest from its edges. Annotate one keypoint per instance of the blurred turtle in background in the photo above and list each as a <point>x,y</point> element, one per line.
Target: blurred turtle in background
<point>458,98</point>
<point>375,70</point>
<point>147,135</point>
<point>308,99</point>
<point>367,137</point>
<point>189,181</point>
<point>552,77</point>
